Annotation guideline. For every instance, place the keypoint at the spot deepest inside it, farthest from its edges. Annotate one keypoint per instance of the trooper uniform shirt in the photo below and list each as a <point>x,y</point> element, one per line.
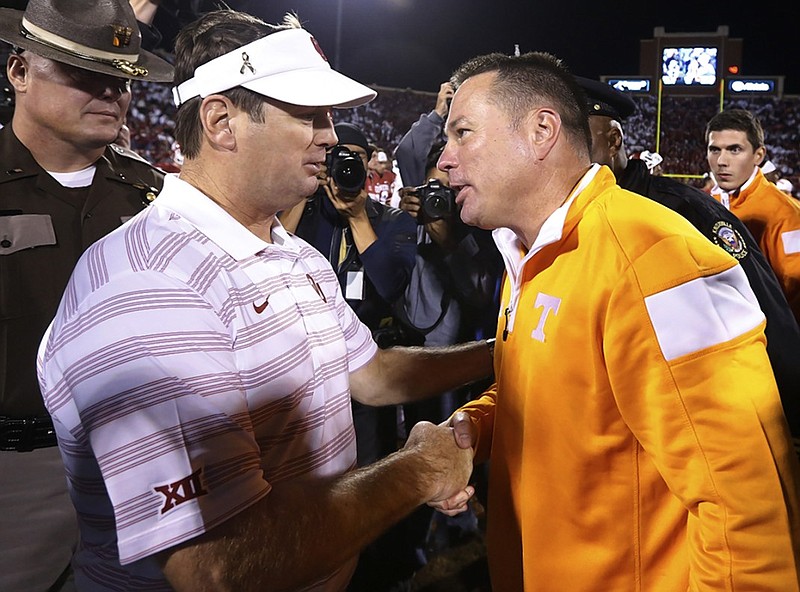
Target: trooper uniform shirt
<point>44,228</point>
<point>636,434</point>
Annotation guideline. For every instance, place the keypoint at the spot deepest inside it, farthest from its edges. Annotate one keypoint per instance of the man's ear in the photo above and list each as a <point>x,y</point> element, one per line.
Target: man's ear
<point>216,116</point>
<point>615,137</point>
<point>543,127</point>
<point>17,72</point>
<point>759,155</point>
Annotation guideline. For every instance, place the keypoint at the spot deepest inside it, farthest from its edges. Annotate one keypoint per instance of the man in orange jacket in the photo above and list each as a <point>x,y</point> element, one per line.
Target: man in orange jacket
<point>735,148</point>
<point>635,430</point>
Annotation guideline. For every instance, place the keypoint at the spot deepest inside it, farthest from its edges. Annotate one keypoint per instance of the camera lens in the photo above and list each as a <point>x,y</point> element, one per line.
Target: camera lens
<point>346,169</point>
<point>437,201</point>
<point>437,204</point>
<point>349,175</point>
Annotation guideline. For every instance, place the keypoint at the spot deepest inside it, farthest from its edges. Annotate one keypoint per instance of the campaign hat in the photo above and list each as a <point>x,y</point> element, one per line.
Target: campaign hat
<point>604,99</point>
<point>97,36</point>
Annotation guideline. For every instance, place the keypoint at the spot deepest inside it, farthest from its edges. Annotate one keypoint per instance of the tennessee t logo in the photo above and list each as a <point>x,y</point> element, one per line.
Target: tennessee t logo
<point>549,304</point>
<point>185,489</point>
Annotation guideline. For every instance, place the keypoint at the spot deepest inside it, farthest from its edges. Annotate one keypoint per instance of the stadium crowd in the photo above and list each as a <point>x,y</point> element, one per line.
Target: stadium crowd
<point>391,114</point>
<point>386,119</point>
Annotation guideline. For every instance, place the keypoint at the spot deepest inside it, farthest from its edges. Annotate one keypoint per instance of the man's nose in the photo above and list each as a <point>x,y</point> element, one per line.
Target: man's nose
<point>112,88</point>
<point>326,135</point>
<point>447,159</point>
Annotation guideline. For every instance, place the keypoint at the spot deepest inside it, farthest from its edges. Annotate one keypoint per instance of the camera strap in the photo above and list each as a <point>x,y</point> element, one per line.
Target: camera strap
<point>400,312</point>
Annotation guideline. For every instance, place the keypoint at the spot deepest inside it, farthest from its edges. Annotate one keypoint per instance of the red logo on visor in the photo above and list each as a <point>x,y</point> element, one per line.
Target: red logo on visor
<point>318,48</point>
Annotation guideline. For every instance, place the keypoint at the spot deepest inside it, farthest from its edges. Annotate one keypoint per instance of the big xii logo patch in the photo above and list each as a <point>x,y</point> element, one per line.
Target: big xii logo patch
<point>181,491</point>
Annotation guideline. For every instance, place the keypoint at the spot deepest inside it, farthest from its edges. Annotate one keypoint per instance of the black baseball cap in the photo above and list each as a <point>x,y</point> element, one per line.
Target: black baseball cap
<point>604,99</point>
<point>352,134</point>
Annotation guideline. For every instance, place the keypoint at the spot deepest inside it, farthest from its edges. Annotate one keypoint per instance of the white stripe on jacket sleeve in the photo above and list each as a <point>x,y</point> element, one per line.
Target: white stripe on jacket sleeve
<point>703,313</point>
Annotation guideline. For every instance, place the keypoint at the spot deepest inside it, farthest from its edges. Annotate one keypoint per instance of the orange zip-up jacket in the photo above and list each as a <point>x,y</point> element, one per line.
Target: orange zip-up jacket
<point>773,218</point>
<point>635,431</point>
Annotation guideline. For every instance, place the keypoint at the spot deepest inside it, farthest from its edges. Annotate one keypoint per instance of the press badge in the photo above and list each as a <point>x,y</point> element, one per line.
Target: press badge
<point>354,289</point>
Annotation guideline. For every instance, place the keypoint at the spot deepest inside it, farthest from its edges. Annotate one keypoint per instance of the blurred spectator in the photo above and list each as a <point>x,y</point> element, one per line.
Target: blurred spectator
<point>124,137</point>
<point>707,183</point>
<point>786,186</point>
<point>381,179</point>
<point>652,161</point>
<point>770,171</point>
<point>160,20</point>
<point>151,117</point>
<point>384,119</point>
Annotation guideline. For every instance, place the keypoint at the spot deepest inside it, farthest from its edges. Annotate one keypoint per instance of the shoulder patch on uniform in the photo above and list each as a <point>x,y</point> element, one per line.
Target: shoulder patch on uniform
<point>727,237</point>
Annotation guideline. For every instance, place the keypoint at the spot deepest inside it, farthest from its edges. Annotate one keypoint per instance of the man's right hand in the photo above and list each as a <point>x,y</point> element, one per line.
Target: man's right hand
<point>443,99</point>
<point>465,437</point>
<point>449,464</point>
<point>409,201</point>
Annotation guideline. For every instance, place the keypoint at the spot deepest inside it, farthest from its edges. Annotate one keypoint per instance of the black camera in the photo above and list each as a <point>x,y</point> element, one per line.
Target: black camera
<point>436,201</point>
<point>346,169</point>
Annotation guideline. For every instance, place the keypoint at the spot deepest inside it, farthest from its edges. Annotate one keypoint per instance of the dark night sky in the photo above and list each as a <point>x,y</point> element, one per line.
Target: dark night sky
<point>417,43</point>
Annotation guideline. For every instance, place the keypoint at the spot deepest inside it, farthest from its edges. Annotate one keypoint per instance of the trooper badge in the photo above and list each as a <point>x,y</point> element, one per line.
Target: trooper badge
<point>727,237</point>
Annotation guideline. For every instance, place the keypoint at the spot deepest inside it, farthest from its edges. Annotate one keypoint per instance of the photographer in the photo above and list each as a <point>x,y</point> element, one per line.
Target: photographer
<point>371,247</point>
<point>452,296</point>
<point>413,149</point>
<point>458,267</point>
<point>372,250</point>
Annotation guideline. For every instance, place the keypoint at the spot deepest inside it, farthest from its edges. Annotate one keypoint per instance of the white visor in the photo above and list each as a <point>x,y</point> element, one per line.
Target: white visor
<point>288,66</point>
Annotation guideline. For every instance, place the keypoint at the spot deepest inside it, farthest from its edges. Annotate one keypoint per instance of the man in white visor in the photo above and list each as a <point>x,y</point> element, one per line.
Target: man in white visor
<point>200,368</point>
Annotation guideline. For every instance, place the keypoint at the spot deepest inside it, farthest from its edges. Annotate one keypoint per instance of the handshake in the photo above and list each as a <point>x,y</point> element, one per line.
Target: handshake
<point>445,454</point>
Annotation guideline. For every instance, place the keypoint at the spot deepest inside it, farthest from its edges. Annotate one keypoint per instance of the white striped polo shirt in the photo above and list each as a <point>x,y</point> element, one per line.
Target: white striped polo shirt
<point>191,365</point>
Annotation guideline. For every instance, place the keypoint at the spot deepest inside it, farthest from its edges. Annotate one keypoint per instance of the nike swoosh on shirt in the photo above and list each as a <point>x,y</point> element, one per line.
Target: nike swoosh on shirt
<point>259,308</point>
